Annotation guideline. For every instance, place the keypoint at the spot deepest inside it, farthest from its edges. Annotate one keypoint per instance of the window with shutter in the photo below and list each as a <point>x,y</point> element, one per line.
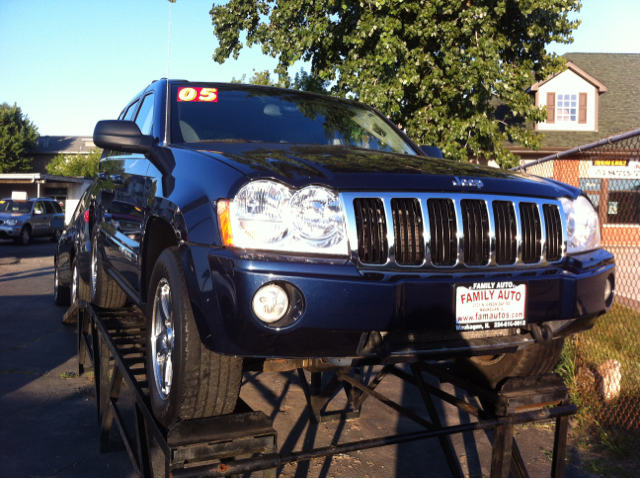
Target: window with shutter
<point>551,107</point>
<point>566,107</point>
<point>582,108</point>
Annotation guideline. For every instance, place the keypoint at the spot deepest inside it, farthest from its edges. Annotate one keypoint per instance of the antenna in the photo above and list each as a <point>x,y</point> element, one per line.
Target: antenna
<point>171,2</point>
<point>166,120</point>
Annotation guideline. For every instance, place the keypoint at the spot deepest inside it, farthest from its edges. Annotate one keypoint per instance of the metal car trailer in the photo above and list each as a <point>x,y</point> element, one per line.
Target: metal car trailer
<point>245,441</point>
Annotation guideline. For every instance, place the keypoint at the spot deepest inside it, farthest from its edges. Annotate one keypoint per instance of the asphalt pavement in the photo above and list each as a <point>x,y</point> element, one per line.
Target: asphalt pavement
<point>48,419</point>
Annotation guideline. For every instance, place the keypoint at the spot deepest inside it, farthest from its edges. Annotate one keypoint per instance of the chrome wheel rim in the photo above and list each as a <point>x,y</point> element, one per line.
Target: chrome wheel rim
<point>74,284</point>
<point>94,269</point>
<point>162,339</point>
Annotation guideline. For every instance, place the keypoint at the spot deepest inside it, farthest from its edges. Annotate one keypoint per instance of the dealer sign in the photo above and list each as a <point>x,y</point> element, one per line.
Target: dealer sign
<point>490,305</point>
<point>611,168</point>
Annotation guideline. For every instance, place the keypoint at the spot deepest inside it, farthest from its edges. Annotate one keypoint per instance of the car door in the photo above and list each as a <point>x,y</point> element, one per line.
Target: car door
<point>39,221</point>
<point>125,204</point>
<point>50,213</point>
<point>57,223</point>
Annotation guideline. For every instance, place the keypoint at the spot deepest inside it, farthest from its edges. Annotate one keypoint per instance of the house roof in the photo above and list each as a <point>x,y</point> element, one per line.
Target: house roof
<point>41,178</point>
<point>64,144</point>
<point>578,71</point>
<point>619,108</point>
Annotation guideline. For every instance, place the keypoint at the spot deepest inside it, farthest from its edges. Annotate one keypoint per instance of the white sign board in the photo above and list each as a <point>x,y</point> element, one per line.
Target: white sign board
<point>617,169</point>
<point>19,195</point>
<point>490,305</point>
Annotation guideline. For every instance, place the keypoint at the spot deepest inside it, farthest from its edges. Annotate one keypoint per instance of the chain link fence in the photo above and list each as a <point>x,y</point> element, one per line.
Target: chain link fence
<point>602,366</point>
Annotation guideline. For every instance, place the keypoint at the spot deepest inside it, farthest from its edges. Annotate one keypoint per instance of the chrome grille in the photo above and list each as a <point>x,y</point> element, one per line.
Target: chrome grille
<point>372,230</point>
<point>553,224</point>
<point>408,231</point>
<point>531,233</point>
<point>475,221</point>
<point>506,232</point>
<point>444,232</point>
<point>414,231</point>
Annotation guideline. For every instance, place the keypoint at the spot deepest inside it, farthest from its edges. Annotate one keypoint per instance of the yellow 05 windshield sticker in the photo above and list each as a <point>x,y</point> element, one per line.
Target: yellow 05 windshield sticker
<point>197,94</point>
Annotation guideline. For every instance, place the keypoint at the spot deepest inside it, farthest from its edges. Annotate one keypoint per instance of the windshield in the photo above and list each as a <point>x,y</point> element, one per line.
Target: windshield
<point>13,206</point>
<point>228,114</point>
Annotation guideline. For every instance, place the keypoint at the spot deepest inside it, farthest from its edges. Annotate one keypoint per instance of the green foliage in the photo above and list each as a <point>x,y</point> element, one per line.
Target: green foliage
<point>302,81</point>
<point>434,66</point>
<point>307,82</point>
<point>76,165</point>
<point>262,78</point>
<point>18,135</point>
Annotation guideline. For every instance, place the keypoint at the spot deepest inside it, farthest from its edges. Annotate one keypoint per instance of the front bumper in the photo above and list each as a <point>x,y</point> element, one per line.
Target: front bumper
<point>9,232</point>
<point>342,306</point>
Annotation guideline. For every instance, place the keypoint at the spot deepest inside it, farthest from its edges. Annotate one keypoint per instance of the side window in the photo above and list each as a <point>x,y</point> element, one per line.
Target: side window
<point>39,206</point>
<point>49,208</point>
<point>130,111</point>
<point>144,120</point>
<point>80,206</point>
<point>57,207</point>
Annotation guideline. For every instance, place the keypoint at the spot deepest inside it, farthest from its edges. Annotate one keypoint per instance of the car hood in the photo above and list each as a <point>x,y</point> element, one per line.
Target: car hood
<point>6,215</point>
<point>348,168</point>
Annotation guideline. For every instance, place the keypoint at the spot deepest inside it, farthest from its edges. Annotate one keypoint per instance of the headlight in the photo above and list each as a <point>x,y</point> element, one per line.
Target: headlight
<point>11,222</point>
<point>267,215</point>
<point>583,225</point>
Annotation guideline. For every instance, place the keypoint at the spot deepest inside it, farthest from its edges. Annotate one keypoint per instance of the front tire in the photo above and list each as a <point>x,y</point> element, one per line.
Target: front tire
<point>186,380</point>
<point>105,292</point>
<point>531,361</point>
<point>25,236</point>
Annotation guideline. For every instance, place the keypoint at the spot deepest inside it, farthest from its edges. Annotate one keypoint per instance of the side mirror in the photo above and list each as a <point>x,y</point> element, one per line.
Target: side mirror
<point>57,223</point>
<point>121,135</point>
<point>38,211</point>
<point>431,151</point>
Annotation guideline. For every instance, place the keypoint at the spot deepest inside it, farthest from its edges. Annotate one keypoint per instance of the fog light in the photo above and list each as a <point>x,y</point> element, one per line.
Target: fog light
<point>270,303</point>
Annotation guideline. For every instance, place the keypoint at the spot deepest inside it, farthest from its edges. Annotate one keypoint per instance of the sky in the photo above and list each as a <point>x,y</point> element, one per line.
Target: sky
<point>71,63</point>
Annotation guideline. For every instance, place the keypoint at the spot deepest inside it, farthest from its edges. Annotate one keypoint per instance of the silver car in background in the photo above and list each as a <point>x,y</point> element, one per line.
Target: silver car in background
<point>23,219</point>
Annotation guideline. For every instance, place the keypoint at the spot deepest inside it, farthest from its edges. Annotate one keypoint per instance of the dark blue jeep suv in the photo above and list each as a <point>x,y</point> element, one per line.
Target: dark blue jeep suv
<point>255,224</point>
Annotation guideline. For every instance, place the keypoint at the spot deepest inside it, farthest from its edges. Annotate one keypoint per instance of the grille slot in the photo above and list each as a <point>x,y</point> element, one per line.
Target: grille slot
<point>506,232</point>
<point>553,227</point>
<point>531,233</point>
<point>475,223</point>
<point>442,222</point>
<point>408,230</point>
<point>372,230</point>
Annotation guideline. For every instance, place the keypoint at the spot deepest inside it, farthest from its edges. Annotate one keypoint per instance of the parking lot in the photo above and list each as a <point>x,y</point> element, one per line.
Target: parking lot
<point>48,423</point>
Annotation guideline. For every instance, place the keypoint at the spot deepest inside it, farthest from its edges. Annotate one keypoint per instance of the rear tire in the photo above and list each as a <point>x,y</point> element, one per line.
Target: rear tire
<point>61,294</point>
<point>186,380</point>
<point>531,361</point>
<point>105,292</point>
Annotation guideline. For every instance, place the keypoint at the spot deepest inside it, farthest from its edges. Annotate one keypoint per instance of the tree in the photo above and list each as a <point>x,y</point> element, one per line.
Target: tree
<point>76,165</point>
<point>434,66</point>
<point>308,82</point>
<point>18,135</point>
<point>262,78</point>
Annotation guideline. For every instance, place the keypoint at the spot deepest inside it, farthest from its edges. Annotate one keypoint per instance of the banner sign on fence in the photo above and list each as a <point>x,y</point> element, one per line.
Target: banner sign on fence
<point>620,169</point>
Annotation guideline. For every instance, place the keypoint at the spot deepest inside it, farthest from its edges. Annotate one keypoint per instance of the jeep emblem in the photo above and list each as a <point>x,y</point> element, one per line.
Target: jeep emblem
<point>467,182</point>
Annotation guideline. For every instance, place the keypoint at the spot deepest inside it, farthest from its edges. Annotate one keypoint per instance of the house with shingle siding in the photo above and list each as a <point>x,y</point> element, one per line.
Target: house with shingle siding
<point>597,96</point>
